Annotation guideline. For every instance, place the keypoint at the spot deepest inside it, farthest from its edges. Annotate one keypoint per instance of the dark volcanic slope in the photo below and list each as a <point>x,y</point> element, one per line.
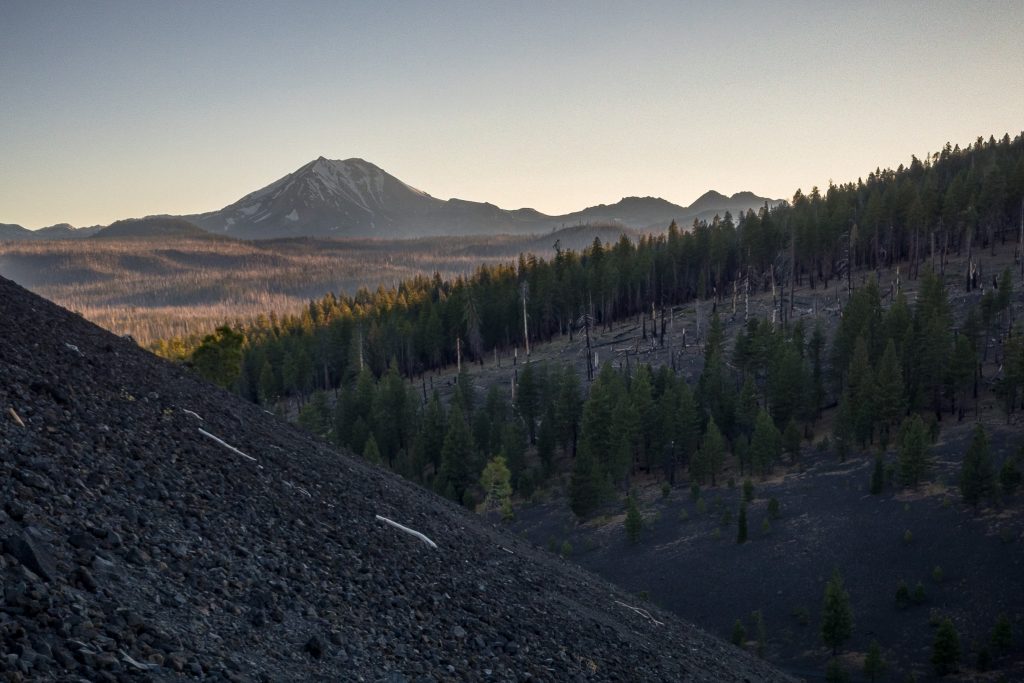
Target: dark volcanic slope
<point>135,546</point>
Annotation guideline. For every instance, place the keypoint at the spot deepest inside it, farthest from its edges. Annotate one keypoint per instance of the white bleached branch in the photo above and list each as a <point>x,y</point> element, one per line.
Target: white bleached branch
<point>226,445</point>
<point>15,417</point>
<point>407,530</point>
<point>641,612</point>
<point>298,488</point>
<point>141,666</point>
<point>193,414</point>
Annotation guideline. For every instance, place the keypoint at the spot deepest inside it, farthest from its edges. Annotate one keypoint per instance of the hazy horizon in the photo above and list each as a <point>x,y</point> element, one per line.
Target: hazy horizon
<point>119,109</point>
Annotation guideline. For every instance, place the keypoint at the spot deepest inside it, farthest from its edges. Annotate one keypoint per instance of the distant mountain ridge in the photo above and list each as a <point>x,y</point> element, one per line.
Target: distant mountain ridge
<point>10,231</point>
<point>355,198</point>
<point>152,226</point>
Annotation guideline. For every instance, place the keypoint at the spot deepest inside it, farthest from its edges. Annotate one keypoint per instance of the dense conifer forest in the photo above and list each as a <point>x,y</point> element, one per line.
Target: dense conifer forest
<point>355,364</point>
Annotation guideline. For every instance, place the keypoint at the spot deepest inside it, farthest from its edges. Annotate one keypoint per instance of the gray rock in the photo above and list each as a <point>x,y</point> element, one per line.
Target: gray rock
<point>32,555</point>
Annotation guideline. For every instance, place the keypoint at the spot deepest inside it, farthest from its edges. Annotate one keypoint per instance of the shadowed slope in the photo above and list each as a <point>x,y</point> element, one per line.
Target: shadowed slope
<point>136,544</point>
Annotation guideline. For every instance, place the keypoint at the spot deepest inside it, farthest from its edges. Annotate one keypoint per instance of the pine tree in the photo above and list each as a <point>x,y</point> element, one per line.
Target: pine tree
<point>816,349</point>
<point>315,416</point>
<point>430,437</point>
<point>528,398</point>
<point>946,649</point>
<point>765,444</point>
<point>688,425</point>
<point>962,370</point>
<point>587,486</point>
<point>569,409</point>
<point>890,399</point>
<point>454,477</point>
<point>747,409</point>
<point>913,451</point>
<point>643,402</point>
<point>861,392</point>
<point>370,451</point>
<point>874,665</point>
<point>626,436</point>
<point>1002,635</point>
<point>634,521</point>
<point>712,453</point>
<point>219,357</point>
<point>741,534</point>
<point>976,477</point>
<point>933,342</point>
<point>496,483</point>
<point>836,616</point>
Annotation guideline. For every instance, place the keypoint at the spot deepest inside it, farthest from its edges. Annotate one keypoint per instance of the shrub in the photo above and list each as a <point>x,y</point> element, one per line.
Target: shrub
<point>748,490</point>
<point>665,490</point>
<point>918,596</point>
<point>1002,635</point>
<point>902,595</point>
<point>739,634</point>
<point>694,491</point>
<point>908,537</point>
<point>937,574</point>
<point>984,660</point>
<point>566,549</point>
<point>835,673</point>
<point>774,510</point>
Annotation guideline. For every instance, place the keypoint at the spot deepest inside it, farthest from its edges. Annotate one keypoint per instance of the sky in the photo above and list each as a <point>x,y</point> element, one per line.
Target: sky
<point>112,110</point>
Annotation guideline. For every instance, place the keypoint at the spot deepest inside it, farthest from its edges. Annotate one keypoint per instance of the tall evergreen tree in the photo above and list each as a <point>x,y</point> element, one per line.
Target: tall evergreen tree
<point>889,392</point>
<point>976,477</point>
<point>587,487</point>
<point>946,649</point>
<point>430,437</point>
<point>712,453</point>
<point>913,451</point>
<point>456,474</point>
<point>836,616</point>
<point>766,444</point>
<point>861,392</point>
<point>569,409</point>
<point>496,483</point>
<point>874,665</point>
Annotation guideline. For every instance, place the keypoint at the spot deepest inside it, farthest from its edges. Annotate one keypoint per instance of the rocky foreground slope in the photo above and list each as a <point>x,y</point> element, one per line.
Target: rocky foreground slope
<point>138,547</point>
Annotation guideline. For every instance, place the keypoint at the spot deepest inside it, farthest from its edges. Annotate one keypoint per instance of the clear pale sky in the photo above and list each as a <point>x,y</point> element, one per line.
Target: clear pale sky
<point>111,110</point>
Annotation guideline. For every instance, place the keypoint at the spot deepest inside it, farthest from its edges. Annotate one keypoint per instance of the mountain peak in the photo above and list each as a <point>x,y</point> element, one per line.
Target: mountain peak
<point>709,199</point>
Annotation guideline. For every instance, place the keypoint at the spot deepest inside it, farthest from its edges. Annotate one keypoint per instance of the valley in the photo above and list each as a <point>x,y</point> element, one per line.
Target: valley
<point>159,288</point>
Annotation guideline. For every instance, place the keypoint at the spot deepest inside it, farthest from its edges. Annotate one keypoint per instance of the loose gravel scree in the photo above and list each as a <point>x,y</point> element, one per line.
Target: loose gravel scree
<point>154,527</point>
